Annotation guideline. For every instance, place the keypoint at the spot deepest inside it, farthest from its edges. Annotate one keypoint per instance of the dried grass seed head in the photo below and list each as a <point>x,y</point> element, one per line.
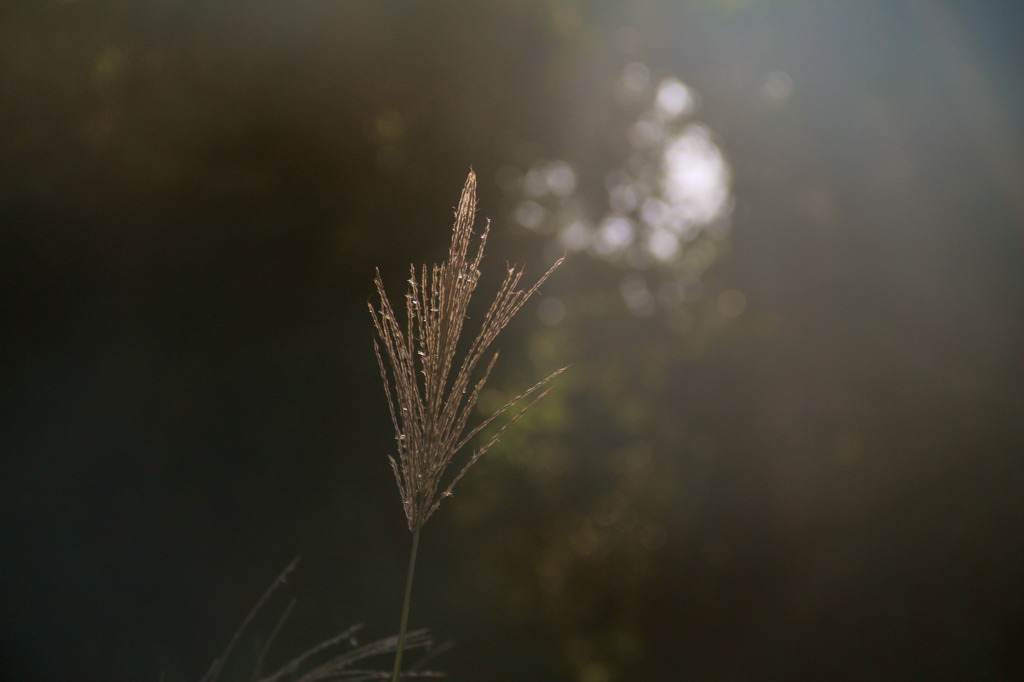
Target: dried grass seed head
<point>431,391</point>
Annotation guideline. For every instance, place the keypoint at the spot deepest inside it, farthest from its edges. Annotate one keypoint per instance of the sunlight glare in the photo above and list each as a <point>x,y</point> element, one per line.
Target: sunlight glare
<point>696,177</point>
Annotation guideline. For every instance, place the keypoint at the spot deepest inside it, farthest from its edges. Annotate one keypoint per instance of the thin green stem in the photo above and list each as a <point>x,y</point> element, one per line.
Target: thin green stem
<point>405,607</point>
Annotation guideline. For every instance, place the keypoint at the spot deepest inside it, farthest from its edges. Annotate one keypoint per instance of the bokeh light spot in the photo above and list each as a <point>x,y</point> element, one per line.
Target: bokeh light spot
<point>108,66</point>
<point>551,311</point>
<point>731,303</point>
<point>776,88</point>
<point>531,215</point>
<point>673,99</point>
<point>636,78</point>
<point>696,177</point>
<point>575,236</point>
<point>594,672</point>
<point>663,245</point>
<point>637,295</point>
<point>671,294</point>
<point>561,179</point>
<point>614,236</point>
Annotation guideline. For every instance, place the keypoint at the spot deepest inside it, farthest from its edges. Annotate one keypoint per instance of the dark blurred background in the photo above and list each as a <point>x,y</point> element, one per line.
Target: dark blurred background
<point>790,444</point>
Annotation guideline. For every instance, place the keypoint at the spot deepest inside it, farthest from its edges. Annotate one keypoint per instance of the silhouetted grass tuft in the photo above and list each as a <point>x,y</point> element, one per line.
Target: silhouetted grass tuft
<point>326,660</point>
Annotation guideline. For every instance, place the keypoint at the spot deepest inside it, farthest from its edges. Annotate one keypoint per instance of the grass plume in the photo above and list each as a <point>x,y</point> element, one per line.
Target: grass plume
<point>431,391</point>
